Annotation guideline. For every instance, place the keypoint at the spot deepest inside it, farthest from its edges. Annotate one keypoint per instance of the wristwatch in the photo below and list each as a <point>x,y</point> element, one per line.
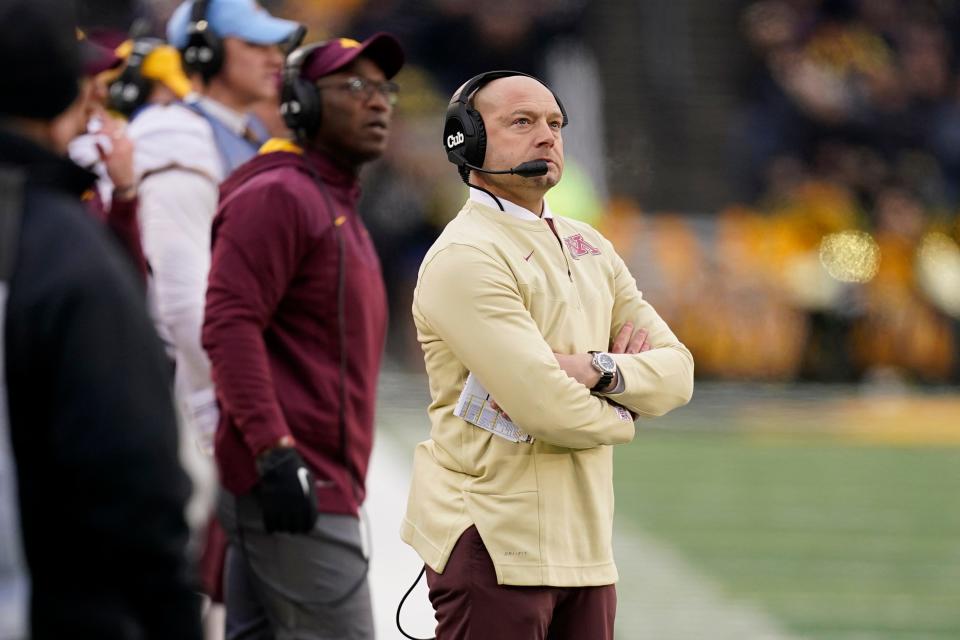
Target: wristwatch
<point>604,363</point>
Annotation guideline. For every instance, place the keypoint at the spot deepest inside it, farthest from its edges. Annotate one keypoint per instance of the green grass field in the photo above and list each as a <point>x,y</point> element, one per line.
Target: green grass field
<point>834,540</point>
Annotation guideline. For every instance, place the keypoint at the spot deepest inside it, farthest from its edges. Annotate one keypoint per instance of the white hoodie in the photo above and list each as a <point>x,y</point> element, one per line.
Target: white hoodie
<point>179,168</point>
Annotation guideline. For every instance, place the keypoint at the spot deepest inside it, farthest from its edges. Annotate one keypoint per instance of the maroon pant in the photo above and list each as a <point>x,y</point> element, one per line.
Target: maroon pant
<point>470,605</point>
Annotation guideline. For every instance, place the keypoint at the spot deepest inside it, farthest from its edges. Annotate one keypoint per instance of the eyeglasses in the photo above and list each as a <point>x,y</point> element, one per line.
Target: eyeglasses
<point>363,88</point>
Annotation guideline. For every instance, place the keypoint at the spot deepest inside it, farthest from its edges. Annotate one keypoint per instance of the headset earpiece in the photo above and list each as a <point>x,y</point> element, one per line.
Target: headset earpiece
<point>130,91</point>
<point>300,103</point>
<point>478,141</point>
<point>464,133</point>
<point>203,52</point>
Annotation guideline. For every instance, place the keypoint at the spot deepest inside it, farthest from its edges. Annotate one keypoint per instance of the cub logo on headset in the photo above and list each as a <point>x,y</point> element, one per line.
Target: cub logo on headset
<point>454,137</point>
<point>455,140</point>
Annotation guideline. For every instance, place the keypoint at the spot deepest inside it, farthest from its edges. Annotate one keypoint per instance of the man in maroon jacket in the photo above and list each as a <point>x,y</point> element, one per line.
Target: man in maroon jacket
<point>295,326</point>
<point>119,213</point>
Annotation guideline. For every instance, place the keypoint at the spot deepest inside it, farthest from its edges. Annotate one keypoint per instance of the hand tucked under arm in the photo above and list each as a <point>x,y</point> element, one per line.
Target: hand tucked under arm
<point>629,340</point>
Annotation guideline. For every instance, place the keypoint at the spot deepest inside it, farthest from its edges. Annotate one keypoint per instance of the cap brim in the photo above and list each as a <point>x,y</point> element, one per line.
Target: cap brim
<point>263,28</point>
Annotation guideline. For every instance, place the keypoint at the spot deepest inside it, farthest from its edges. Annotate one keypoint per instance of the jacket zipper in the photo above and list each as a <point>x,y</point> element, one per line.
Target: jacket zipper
<point>566,260</point>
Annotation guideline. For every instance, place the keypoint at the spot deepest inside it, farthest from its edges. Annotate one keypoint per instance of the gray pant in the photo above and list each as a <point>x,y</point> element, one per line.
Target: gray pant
<point>294,587</point>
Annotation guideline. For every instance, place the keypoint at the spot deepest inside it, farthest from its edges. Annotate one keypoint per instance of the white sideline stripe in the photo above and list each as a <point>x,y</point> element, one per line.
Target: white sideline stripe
<point>393,564</point>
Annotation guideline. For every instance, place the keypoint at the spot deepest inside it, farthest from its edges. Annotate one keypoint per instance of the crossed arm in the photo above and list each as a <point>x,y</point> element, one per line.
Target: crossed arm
<point>579,365</point>
<point>654,369</point>
<point>470,302</point>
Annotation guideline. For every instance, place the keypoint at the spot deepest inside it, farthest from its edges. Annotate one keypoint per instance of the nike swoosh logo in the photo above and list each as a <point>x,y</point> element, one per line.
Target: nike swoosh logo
<point>528,256</point>
<point>303,476</point>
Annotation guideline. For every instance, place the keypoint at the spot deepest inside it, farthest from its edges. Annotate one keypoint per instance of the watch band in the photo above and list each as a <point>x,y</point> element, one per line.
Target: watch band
<point>605,379</point>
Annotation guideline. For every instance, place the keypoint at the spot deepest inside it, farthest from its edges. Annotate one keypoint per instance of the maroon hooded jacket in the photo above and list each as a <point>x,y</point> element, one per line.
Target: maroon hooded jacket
<point>275,330</point>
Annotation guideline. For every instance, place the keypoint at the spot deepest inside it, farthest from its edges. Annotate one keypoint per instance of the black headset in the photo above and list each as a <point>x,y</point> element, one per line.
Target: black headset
<point>464,134</point>
<point>300,103</point>
<point>130,91</point>
<point>203,52</point>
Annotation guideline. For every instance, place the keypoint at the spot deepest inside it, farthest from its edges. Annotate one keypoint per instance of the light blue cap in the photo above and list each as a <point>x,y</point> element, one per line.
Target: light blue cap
<point>243,19</point>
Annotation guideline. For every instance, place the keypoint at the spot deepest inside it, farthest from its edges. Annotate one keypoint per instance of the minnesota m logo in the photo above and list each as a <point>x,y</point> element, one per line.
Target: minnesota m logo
<point>580,247</point>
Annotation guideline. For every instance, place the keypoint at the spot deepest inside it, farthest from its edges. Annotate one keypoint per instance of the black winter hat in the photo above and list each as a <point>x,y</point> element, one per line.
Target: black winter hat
<point>39,56</point>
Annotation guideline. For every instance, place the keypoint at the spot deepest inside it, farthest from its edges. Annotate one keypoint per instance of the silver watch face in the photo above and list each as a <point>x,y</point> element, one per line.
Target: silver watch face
<point>605,363</point>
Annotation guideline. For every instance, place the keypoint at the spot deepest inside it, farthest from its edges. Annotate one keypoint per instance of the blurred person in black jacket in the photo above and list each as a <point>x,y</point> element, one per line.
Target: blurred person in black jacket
<point>92,528</point>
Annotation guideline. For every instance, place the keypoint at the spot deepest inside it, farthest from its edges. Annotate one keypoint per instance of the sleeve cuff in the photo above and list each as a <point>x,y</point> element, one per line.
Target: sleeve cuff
<point>620,384</point>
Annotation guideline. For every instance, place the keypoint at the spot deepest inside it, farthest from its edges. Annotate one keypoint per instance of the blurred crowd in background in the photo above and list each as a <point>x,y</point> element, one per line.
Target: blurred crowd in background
<point>851,122</point>
<point>832,252</point>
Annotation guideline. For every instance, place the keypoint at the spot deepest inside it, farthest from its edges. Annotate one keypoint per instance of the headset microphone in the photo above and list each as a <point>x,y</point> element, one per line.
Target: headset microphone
<point>531,169</point>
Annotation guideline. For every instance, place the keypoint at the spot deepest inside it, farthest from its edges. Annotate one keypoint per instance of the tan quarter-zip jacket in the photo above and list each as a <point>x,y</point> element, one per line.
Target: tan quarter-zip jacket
<point>497,296</point>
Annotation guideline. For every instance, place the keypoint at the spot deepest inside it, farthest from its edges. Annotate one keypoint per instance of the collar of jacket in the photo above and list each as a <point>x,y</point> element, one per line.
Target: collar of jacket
<point>317,162</point>
<point>332,173</point>
<point>43,168</point>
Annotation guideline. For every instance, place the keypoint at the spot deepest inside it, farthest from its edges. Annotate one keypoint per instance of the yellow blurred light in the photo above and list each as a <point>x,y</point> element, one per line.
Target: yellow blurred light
<point>850,256</point>
<point>938,271</point>
<point>938,247</point>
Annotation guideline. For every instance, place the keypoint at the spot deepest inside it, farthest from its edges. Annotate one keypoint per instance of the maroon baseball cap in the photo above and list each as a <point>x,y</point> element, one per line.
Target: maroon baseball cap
<point>96,58</point>
<point>382,48</point>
